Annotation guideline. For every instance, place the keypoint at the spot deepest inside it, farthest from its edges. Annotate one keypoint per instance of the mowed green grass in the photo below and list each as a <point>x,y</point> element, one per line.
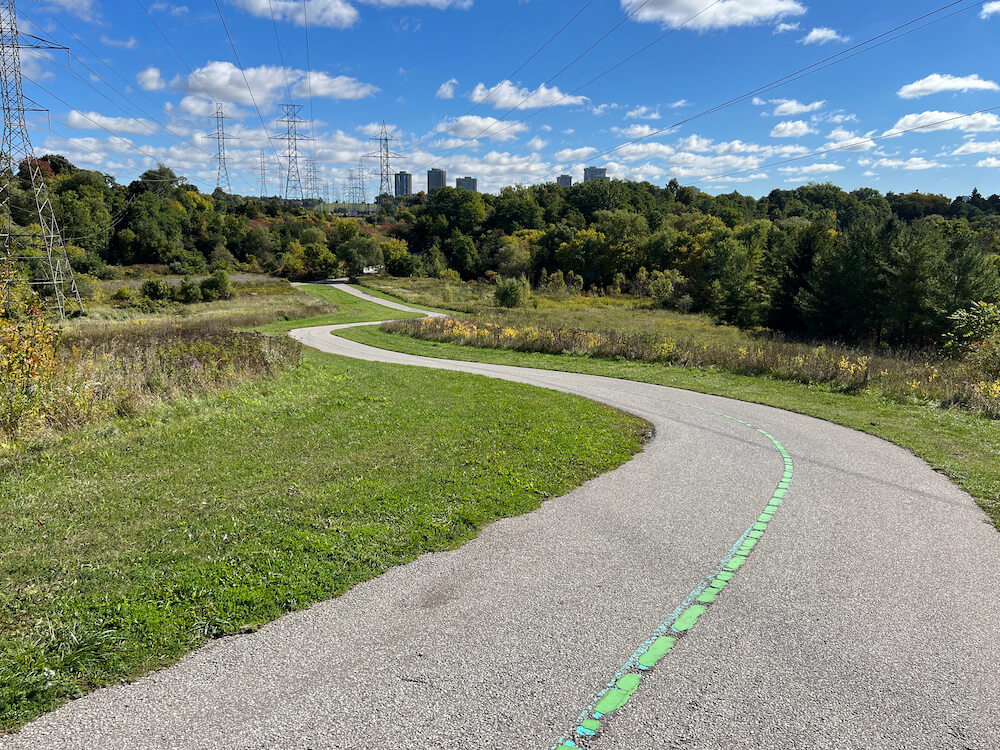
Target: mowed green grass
<point>350,310</point>
<point>963,446</point>
<point>130,543</point>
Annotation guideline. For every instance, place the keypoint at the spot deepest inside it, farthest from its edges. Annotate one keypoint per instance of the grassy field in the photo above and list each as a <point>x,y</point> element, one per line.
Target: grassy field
<point>634,329</point>
<point>963,446</point>
<point>129,543</point>
<point>349,310</point>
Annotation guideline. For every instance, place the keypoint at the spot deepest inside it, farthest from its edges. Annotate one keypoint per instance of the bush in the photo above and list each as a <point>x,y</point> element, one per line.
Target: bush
<point>450,274</point>
<point>189,291</point>
<point>510,292</point>
<point>661,289</point>
<point>27,365</point>
<point>155,289</point>
<point>217,286</point>
<point>985,356</point>
<point>972,327</point>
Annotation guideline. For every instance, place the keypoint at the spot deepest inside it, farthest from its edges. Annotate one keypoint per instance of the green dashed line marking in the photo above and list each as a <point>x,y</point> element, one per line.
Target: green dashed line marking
<point>660,648</point>
<point>593,720</point>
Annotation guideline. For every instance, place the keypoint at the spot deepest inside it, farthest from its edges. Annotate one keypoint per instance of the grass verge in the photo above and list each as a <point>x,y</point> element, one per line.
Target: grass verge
<point>129,543</point>
<point>961,445</point>
<point>350,309</point>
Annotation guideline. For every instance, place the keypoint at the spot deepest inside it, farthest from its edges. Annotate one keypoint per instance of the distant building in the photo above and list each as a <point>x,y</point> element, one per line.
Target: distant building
<point>565,180</point>
<point>593,174</point>
<point>404,184</point>
<point>436,179</point>
<point>467,183</point>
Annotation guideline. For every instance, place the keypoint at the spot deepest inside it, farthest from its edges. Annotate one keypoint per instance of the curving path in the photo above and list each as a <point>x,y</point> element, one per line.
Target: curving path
<point>817,587</point>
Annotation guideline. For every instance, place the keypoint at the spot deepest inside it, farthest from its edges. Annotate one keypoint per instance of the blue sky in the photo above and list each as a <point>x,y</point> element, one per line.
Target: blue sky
<point>457,83</point>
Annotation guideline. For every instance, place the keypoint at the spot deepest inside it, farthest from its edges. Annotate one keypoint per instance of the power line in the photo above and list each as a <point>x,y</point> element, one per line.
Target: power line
<point>103,80</point>
<point>860,142</point>
<point>309,88</point>
<point>562,70</point>
<point>281,56</point>
<point>243,72</point>
<point>514,72</point>
<point>614,67</point>
<point>827,62</point>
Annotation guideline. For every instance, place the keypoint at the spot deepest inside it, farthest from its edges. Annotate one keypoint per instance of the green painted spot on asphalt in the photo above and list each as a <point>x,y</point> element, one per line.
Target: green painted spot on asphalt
<point>725,576</point>
<point>765,517</point>
<point>688,618</point>
<point>780,493</point>
<point>592,724</point>
<point>717,584</point>
<point>708,596</point>
<point>736,562</point>
<point>657,650</point>
<point>750,543</point>
<point>612,701</point>
<point>756,534</point>
<point>760,526</point>
<point>628,683</point>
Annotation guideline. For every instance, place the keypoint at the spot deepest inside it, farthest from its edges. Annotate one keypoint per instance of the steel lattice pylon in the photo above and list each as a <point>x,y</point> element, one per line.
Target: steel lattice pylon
<point>222,175</point>
<point>385,155</point>
<point>48,267</point>
<point>292,138</point>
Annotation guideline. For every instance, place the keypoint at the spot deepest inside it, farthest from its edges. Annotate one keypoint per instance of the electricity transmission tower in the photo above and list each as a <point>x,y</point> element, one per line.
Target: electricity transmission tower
<point>222,176</point>
<point>356,189</point>
<point>44,256</point>
<point>292,138</point>
<point>385,155</point>
<point>263,174</point>
<point>312,179</point>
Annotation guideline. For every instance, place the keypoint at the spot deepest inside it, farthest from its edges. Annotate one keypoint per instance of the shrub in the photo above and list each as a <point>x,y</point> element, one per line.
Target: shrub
<point>972,327</point>
<point>155,289</point>
<point>123,296</point>
<point>510,292</point>
<point>661,289</point>
<point>27,366</point>
<point>189,291</point>
<point>985,356</point>
<point>450,274</point>
<point>217,286</point>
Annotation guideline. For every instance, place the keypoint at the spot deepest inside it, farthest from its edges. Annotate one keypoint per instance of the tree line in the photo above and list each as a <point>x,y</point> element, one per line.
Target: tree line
<point>818,261</point>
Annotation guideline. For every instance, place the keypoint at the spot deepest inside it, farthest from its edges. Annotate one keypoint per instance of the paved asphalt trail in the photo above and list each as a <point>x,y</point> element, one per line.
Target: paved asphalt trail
<point>866,617</point>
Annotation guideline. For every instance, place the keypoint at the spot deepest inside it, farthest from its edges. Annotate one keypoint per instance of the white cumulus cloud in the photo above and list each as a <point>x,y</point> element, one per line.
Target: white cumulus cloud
<point>792,107</point>
<point>642,113</point>
<point>473,126</point>
<point>722,15</point>
<point>507,95</point>
<point>916,164</point>
<point>991,162</point>
<point>95,121</point>
<point>989,9</point>
<point>823,35</point>
<point>978,147</point>
<point>150,79</point>
<point>936,83</point>
<point>792,129</point>
<point>447,89</point>
<point>932,120</point>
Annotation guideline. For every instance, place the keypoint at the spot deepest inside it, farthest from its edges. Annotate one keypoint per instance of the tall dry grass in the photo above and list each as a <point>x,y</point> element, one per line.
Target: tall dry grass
<point>901,377</point>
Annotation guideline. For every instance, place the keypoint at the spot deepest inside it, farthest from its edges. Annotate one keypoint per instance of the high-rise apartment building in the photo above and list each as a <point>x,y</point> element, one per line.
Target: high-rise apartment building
<point>468,183</point>
<point>404,184</point>
<point>436,179</point>
<point>565,180</point>
<point>592,174</point>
